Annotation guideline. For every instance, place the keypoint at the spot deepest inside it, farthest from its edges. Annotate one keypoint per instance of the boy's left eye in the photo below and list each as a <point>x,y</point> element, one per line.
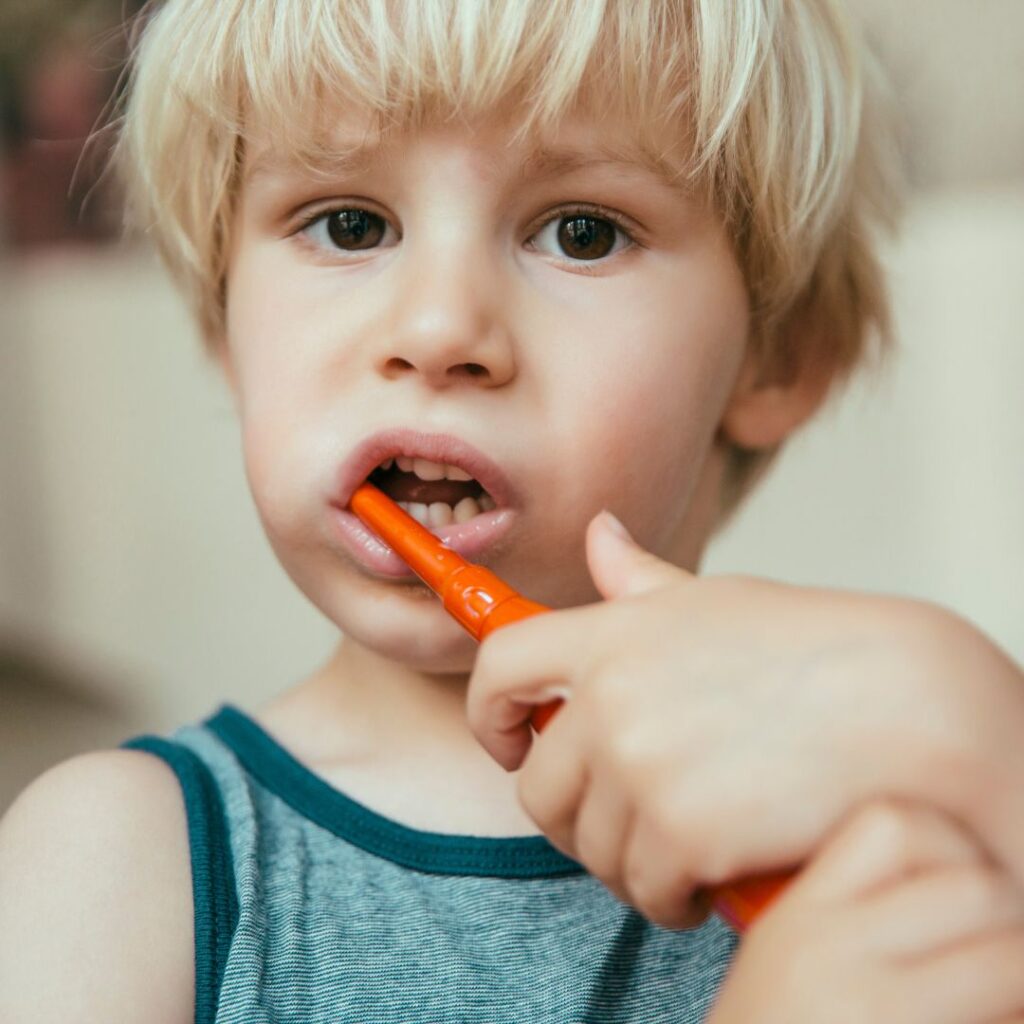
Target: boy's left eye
<point>581,235</point>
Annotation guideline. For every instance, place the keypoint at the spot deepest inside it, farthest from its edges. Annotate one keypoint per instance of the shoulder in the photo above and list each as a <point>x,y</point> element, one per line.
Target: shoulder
<point>96,895</point>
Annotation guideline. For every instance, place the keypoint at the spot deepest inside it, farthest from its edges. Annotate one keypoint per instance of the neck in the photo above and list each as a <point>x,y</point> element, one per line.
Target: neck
<point>397,740</point>
<point>382,705</point>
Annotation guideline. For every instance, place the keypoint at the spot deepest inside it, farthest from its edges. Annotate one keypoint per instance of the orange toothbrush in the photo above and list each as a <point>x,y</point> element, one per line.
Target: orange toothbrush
<point>482,602</point>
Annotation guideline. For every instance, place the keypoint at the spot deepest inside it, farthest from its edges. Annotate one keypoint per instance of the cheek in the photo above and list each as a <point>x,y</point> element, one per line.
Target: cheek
<point>273,403</point>
<point>652,437</point>
<point>650,398</point>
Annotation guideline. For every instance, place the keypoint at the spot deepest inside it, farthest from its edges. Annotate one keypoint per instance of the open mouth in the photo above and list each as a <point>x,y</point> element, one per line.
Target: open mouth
<point>433,493</point>
<point>459,493</point>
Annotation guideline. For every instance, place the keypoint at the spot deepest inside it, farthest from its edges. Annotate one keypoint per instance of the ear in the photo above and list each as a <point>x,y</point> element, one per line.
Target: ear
<point>768,403</point>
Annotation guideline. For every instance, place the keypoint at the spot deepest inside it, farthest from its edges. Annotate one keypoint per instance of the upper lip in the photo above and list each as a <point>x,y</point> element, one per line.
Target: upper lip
<point>444,448</point>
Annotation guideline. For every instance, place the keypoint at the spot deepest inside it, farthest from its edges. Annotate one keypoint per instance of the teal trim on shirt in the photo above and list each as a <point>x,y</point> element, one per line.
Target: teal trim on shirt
<point>215,901</point>
<point>432,852</point>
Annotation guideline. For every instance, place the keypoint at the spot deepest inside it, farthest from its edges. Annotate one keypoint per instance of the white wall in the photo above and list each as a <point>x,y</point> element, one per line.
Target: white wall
<point>129,542</point>
<point>913,483</point>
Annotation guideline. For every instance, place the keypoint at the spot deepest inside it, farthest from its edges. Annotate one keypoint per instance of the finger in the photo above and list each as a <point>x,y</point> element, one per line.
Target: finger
<point>619,566</point>
<point>880,842</point>
<point>553,781</point>
<point>654,879</point>
<point>939,907</point>
<point>979,980</point>
<point>602,827</point>
<point>518,667</point>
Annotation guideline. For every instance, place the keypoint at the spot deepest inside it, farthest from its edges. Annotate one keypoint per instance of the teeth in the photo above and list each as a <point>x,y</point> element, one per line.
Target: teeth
<point>465,510</point>
<point>439,514</point>
<point>426,470</point>
<point>418,510</point>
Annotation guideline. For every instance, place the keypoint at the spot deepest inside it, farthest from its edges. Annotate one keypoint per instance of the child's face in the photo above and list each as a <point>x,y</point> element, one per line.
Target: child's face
<point>475,293</point>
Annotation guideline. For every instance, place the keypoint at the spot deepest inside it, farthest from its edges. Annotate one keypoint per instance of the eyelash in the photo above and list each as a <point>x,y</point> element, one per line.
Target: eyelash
<point>560,213</point>
<point>598,212</point>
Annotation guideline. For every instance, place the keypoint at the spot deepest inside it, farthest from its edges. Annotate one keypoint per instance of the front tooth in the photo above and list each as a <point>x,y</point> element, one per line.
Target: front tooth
<point>440,514</point>
<point>387,463</point>
<point>404,463</point>
<point>465,510</point>
<point>487,503</point>
<point>418,510</point>
<point>454,473</point>
<point>427,470</point>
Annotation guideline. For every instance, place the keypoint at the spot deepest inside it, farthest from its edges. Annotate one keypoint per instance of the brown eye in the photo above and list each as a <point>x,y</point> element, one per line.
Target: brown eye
<point>355,229</point>
<point>586,238</point>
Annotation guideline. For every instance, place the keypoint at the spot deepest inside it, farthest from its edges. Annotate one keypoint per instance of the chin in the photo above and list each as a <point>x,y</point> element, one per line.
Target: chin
<point>410,628</point>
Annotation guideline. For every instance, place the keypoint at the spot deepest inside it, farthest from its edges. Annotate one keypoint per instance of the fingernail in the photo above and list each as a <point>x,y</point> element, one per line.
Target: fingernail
<point>615,525</point>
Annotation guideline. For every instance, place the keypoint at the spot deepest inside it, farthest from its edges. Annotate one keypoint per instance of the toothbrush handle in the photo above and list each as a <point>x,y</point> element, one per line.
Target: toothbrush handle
<point>740,903</point>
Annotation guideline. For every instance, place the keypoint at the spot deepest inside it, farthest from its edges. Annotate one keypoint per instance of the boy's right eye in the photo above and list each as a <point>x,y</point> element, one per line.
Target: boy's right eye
<point>349,229</point>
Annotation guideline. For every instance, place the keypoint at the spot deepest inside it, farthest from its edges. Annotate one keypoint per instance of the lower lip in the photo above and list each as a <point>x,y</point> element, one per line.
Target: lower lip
<point>470,539</point>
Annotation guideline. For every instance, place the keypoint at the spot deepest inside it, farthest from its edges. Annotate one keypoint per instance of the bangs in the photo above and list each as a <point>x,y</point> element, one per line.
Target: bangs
<point>279,69</point>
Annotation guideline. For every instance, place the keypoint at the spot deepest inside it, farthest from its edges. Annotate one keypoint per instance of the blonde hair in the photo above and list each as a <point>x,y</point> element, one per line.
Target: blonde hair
<point>773,97</point>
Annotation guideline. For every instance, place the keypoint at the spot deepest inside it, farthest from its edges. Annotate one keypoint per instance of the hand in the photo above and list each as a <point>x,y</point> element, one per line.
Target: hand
<point>900,917</point>
<point>716,728</point>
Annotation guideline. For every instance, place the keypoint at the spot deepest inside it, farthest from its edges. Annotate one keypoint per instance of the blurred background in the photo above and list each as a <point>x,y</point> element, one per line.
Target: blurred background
<point>136,588</point>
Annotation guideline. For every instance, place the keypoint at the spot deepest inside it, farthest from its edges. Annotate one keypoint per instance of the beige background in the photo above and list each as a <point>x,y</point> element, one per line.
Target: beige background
<point>137,590</point>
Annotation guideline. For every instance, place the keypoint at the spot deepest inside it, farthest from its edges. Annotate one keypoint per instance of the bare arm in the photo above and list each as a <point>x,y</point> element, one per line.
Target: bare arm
<point>96,919</point>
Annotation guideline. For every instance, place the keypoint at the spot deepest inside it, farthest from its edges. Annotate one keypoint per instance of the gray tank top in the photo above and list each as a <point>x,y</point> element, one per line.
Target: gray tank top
<point>310,907</point>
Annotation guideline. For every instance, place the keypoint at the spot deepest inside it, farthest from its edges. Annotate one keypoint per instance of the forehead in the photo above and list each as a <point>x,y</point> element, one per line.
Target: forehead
<point>352,144</point>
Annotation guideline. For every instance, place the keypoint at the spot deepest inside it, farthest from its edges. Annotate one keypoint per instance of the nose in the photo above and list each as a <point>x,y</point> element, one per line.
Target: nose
<point>447,323</point>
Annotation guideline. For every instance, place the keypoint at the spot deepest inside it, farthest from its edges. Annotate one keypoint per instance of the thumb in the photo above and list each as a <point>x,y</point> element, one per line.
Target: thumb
<point>619,566</point>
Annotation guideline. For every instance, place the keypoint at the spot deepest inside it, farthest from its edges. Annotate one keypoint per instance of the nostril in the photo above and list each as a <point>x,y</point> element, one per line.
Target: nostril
<point>396,364</point>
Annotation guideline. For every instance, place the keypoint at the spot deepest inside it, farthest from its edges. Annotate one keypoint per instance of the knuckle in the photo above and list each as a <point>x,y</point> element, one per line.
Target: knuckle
<point>984,890</point>
<point>626,751</point>
<point>886,816</point>
<point>886,822</point>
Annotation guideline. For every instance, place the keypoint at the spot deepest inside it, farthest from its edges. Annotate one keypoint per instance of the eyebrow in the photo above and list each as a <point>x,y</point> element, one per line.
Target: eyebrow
<point>540,162</point>
<point>355,160</point>
<point>550,163</point>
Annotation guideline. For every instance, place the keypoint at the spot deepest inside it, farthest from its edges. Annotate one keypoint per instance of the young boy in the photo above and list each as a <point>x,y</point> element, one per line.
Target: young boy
<point>524,261</point>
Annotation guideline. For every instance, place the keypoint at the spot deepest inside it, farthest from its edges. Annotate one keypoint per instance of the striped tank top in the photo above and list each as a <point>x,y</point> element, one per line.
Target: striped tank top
<point>311,908</point>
